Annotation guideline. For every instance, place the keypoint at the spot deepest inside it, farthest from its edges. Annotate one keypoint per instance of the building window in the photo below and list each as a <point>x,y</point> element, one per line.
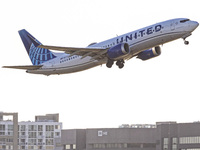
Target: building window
<point>74,146</point>
<point>57,133</point>
<point>115,145</point>
<point>125,145</point>
<point>57,126</point>
<point>40,141</point>
<point>174,143</point>
<point>31,141</point>
<point>10,133</point>
<point>9,140</point>
<point>2,127</point>
<point>165,143</point>
<point>40,134</point>
<point>40,127</point>
<point>133,145</point>
<point>49,134</point>
<point>49,127</point>
<point>49,142</point>
<point>23,133</point>
<point>67,146</point>
<point>23,128</point>
<point>32,135</point>
<point>191,149</point>
<point>10,127</point>
<point>49,147</point>
<point>174,140</point>
<point>21,147</point>
<point>22,140</point>
<point>189,140</point>
<point>32,128</point>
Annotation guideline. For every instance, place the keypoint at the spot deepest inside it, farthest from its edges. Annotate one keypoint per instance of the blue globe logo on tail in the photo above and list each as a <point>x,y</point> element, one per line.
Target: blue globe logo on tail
<point>37,55</point>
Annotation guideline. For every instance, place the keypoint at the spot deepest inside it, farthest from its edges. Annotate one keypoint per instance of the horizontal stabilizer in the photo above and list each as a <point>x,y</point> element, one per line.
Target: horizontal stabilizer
<point>31,67</point>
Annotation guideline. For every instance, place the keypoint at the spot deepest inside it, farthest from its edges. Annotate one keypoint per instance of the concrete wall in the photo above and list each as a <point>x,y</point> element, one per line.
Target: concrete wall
<point>125,135</point>
<point>74,136</point>
<point>68,137</point>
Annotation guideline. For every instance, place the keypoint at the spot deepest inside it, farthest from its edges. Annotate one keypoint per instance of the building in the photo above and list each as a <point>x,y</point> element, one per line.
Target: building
<point>162,136</point>
<point>109,138</point>
<point>8,130</point>
<point>44,133</point>
<point>178,136</point>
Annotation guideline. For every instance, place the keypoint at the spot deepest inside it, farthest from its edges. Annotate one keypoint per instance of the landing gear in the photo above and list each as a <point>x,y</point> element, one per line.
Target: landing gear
<point>119,63</point>
<point>184,38</point>
<point>186,42</point>
<point>109,63</point>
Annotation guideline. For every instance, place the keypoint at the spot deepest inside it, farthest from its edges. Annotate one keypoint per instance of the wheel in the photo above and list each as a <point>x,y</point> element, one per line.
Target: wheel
<point>121,66</point>
<point>109,63</point>
<point>120,63</point>
<point>186,42</point>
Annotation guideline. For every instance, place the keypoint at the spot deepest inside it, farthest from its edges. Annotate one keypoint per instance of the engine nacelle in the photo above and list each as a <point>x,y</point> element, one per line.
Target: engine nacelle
<point>119,51</point>
<point>150,53</point>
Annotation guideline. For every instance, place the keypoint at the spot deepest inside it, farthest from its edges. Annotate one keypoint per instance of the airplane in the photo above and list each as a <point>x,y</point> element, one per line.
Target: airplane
<point>143,44</point>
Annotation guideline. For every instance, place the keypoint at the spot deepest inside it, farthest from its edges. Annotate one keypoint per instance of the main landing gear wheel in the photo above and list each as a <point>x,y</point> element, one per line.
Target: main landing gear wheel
<point>120,63</point>
<point>109,63</point>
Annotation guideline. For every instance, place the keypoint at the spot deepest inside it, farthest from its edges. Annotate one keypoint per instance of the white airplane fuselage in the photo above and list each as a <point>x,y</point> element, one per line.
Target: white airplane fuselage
<point>138,41</point>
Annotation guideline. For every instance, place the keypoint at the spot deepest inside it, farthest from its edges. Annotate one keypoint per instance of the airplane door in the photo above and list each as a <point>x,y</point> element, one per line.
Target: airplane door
<point>172,25</point>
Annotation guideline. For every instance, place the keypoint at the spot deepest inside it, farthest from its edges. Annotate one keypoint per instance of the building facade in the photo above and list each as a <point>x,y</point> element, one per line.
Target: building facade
<point>44,133</point>
<point>162,136</point>
<point>38,135</point>
<point>8,131</point>
<point>182,136</point>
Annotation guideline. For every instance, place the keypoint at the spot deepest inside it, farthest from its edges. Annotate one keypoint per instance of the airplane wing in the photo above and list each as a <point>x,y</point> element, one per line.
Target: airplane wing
<point>94,52</point>
<point>30,67</point>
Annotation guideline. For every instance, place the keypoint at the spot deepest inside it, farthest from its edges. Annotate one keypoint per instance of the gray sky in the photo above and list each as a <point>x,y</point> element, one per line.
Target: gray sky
<point>165,88</point>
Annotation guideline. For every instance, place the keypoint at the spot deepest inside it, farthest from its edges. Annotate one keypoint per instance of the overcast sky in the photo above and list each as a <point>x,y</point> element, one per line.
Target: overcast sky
<point>166,88</point>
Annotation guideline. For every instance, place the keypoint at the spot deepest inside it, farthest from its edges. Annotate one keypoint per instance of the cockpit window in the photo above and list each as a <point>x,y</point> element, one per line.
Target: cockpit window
<point>185,20</point>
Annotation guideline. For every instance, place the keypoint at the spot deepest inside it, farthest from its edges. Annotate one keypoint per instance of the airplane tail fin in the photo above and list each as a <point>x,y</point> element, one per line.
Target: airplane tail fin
<point>37,55</point>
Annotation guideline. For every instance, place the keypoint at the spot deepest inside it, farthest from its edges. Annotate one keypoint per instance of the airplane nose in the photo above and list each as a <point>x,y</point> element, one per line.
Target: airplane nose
<point>194,24</point>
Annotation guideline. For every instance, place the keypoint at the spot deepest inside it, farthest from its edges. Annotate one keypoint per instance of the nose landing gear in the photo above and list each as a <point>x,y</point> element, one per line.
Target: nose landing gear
<point>184,38</point>
<point>186,42</point>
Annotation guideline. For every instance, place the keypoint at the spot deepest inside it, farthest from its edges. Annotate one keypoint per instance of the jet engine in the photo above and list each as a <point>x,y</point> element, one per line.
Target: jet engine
<point>118,52</point>
<point>150,53</point>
